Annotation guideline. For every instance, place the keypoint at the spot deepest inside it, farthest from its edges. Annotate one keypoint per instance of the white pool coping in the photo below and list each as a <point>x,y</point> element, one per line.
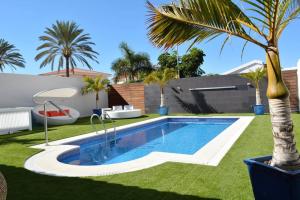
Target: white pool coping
<point>211,154</point>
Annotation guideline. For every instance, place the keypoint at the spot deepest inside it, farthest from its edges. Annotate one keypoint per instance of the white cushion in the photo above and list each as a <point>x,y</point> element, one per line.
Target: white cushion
<point>128,107</point>
<point>117,107</point>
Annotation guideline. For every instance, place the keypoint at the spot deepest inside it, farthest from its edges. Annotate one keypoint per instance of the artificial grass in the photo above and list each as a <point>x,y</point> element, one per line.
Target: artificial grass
<point>170,181</point>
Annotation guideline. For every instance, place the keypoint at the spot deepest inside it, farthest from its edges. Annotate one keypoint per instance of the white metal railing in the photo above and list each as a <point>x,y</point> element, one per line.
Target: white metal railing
<point>15,119</point>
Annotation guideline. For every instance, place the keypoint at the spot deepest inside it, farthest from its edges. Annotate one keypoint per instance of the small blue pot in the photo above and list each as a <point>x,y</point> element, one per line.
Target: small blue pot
<point>163,110</point>
<point>272,183</point>
<point>97,112</point>
<point>259,109</point>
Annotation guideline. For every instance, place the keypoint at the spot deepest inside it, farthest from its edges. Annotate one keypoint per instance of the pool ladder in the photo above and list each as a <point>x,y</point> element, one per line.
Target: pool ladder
<point>103,124</point>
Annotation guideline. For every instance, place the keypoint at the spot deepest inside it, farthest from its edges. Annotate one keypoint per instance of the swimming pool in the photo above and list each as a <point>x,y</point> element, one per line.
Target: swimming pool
<point>196,140</point>
<point>180,136</point>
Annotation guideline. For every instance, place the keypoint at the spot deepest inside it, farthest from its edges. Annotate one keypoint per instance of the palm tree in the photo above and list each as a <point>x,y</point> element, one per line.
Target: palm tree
<point>131,65</point>
<point>255,77</point>
<point>199,20</point>
<point>10,56</point>
<point>161,77</point>
<point>95,85</point>
<point>66,43</point>
<point>119,66</point>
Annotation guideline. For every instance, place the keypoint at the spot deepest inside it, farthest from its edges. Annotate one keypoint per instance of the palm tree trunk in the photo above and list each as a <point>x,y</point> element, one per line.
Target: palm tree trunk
<point>97,100</point>
<point>258,99</point>
<point>3,187</point>
<point>285,154</point>
<point>67,67</point>
<point>162,97</point>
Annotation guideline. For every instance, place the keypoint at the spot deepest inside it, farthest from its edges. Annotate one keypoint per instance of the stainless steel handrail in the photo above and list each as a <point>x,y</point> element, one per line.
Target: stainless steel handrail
<point>101,121</point>
<point>103,124</point>
<point>114,126</point>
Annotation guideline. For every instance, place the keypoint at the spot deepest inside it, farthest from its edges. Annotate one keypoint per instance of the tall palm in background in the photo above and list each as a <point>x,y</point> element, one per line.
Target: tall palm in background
<point>10,56</point>
<point>132,65</point>
<point>66,43</point>
<point>255,77</point>
<point>199,20</point>
<point>161,78</point>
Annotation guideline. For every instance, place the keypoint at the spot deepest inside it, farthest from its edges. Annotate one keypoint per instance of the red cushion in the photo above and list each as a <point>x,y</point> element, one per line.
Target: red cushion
<point>54,113</point>
<point>60,113</point>
<point>41,112</point>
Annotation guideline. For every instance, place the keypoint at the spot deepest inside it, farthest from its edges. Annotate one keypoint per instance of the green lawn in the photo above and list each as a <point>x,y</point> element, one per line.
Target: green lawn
<point>170,181</point>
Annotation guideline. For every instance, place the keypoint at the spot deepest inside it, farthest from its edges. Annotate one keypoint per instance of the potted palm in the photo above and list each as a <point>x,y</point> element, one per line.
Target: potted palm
<point>255,77</point>
<point>161,77</point>
<point>272,177</point>
<point>95,85</point>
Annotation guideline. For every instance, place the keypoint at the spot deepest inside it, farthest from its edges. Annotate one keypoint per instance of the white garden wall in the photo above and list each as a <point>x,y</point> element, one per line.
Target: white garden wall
<point>16,90</point>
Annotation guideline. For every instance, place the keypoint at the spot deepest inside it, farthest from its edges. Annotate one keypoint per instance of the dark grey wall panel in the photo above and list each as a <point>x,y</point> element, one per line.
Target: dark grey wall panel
<point>181,100</point>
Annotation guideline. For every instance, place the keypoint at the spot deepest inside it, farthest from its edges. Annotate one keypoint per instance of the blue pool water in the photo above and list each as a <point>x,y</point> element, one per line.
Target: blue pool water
<point>173,135</point>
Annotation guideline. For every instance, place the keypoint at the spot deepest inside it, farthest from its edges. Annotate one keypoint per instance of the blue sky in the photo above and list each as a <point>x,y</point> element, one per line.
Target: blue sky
<point>113,21</point>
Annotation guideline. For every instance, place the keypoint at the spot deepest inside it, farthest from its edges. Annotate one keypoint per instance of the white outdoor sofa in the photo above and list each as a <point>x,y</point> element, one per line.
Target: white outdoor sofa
<point>128,112</point>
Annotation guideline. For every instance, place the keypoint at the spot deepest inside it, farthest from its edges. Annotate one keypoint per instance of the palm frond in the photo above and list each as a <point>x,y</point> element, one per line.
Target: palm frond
<point>255,76</point>
<point>65,40</point>
<point>197,20</point>
<point>94,85</point>
<point>265,10</point>
<point>274,15</point>
<point>10,56</point>
<point>131,64</point>
<point>289,11</point>
<point>161,77</point>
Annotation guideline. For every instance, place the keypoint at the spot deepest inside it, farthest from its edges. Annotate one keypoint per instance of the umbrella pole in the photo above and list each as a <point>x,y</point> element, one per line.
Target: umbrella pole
<point>46,124</point>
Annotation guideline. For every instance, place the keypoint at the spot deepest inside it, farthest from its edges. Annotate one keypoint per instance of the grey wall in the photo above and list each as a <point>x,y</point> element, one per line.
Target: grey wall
<point>17,90</point>
<point>180,99</point>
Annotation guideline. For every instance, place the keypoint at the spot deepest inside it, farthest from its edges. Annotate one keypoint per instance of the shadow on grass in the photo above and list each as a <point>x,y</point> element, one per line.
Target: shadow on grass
<point>26,185</point>
<point>17,137</point>
<point>37,128</point>
<point>27,142</point>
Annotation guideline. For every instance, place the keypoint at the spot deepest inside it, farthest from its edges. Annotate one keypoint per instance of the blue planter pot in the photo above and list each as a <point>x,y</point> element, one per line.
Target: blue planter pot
<point>259,109</point>
<point>163,110</point>
<point>97,112</point>
<point>272,183</point>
